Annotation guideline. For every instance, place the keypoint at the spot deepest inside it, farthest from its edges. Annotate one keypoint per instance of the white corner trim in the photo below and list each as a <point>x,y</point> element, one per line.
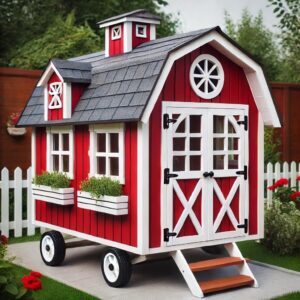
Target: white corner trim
<point>47,74</point>
<point>127,37</point>
<point>152,32</point>
<point>258,84</point>
<point>106,46</point>
<point>141,35</point>
<point>33,151</point>
<point>130,19</point>
<point>45,103</point>
<point>143,187</point>
<point>67,100</point>
<point>260,175</point>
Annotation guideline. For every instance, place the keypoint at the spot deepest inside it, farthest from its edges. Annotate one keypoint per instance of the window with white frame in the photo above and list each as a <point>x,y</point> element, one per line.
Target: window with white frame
<point>107,151</point>
<point>141,31</point>
<point>116,32</point>
<point>60,150</point>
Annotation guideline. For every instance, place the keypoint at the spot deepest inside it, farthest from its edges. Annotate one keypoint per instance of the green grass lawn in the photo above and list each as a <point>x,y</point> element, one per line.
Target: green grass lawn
<point>23,239</point>
<point>258,252</point>
<point>52,289</point>
<point>291,296</point>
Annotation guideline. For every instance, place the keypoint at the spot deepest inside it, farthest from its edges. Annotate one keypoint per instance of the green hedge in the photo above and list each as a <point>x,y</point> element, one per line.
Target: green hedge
<point>55,180</point>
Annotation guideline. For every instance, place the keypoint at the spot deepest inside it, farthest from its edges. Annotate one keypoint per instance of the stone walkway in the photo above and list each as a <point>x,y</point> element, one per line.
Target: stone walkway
<point>157,280</point>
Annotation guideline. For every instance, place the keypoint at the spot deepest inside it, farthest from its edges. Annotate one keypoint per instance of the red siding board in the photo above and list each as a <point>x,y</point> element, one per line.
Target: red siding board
<point>139,40</point>
<point>116,46</point>
<point>177,88</point>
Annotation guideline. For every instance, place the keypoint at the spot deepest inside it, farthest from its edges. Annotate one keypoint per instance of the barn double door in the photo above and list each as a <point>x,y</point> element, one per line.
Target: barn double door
<point>205,162</point>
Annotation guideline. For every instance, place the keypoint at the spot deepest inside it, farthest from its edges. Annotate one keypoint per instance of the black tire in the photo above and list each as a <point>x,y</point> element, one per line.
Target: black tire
<point>122,259</point>
<point>52,255</point>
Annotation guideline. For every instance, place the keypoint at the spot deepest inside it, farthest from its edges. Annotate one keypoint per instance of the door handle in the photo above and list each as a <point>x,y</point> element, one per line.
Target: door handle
<point>208,174</point>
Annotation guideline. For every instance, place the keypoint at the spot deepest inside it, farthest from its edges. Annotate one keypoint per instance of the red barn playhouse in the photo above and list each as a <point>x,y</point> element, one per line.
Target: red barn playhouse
<point>179,121</point>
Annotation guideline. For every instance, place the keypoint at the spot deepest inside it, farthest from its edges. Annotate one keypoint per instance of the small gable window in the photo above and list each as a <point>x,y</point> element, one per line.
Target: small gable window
<point>60,150</point>
<point>206,76</point>
<point>55,92</point>
<point>141,31</point>
<point>116,32</point>
<point>107,151</point>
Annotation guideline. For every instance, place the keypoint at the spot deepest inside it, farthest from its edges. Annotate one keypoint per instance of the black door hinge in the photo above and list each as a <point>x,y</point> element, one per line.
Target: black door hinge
<point>244,172</point>
<point>167,121</point>
<point>245,226</point>
<point>245,123</point>
<point>167,234</point>
<point>168,175</point>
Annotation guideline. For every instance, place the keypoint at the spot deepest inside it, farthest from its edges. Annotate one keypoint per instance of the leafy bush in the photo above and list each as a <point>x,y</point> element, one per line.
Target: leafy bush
<point>282,228</point>
<point>55,180</point>
<point>101,186</point>
<point>272,144</point>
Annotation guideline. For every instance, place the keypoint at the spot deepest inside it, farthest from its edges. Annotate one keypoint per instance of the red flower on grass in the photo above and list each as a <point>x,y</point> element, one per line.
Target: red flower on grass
<point>35,274</point>
<point>295,195</point>
<point>3,240</point>
<point>279,183</point>
<point>31,283</point>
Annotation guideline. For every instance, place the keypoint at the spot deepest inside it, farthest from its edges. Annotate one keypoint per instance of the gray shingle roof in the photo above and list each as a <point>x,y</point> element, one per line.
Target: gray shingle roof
<point>139,13</point>
<point>120,86</point>
<point>72,71</point>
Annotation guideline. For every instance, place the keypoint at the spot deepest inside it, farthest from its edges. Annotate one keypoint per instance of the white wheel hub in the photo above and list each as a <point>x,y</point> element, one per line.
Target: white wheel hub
<point>111,267</point>
<point>48,249</point>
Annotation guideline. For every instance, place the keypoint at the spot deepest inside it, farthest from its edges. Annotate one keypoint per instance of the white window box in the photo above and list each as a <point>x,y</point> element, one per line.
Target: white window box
<point>62,196</point>
<point>112,205</point>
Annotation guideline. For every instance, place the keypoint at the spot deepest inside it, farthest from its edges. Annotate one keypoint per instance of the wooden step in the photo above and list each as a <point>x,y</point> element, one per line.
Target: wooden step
<point>225,283</point>
<point>215,263</point>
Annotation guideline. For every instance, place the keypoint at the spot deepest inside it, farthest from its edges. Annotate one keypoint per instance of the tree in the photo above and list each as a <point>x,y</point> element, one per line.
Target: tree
<point>252,35</point>
<point>62,40</point>
<point>288,13</point>
<point>22,21</point>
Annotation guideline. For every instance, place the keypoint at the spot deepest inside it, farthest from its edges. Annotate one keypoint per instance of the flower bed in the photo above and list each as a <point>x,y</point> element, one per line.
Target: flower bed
<point>61,196</point>
<point>113,205</point>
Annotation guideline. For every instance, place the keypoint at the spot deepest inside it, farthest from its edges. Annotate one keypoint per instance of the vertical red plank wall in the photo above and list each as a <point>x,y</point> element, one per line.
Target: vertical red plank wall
<point>122,229</point>
<point>139,40</point>
<point>177,88</point>
<point>116,46</point>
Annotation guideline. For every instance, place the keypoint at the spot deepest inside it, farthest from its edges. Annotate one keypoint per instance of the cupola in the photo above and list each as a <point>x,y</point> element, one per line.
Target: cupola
<point>125,32</point>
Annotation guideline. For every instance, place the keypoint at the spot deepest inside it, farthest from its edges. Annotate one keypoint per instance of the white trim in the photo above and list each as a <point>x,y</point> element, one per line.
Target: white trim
<point>163,249</point>
<point>33,151</point>
<point>116,32</point>
<point>206,76</point>
<point>141,35</point>
<point>187,273</point>
<point>260,177</point>
<point>106,42</point>
<point>88,237</point>
<point>143,187</point>
<point>166,104</point>
<point>127,37</point>
<point>47,74</point>
<point>45,103</point>
<point>152,32</point>
<point>67,100</point>
<point>252,70</point>
<point>49,163</point>
<point>107,129</point>
<point>129,19</point>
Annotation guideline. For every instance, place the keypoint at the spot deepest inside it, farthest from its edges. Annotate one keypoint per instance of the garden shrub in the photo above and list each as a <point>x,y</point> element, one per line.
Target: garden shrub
<point>282,228</point>
<point>55,180</point>
<point>101,186</point>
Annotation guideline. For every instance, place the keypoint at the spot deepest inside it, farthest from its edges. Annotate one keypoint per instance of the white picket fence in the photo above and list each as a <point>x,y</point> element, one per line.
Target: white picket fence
<point>281,170</point>
<point>17,184</point>
<point>274,172</point>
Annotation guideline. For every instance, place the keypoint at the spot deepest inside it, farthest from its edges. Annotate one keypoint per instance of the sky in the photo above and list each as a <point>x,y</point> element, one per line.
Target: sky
<point>197,14</point>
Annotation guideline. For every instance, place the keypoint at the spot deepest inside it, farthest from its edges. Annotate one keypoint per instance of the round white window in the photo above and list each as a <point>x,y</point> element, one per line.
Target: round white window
<point>206,76</point>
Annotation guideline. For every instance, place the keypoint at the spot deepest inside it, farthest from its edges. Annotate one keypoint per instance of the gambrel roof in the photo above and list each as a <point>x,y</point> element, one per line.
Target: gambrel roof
<point>126,87</point>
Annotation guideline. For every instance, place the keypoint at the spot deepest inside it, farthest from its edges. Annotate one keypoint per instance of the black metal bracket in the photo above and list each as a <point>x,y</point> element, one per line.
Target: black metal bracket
<point>245,226</point>
<point>168,175</point>
<point>167,121</point>
<point>245,122</point>
<point>244,172</point>
<point>167,234</point>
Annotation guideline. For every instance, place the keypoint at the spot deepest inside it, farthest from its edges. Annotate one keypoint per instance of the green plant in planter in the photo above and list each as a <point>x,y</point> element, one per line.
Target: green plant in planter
<point>55,180</point>
<point>101,186</point>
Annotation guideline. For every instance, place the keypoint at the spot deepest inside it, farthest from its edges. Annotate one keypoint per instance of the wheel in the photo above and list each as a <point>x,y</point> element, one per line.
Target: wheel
<point>116,267</point>
<point>52,248</point>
